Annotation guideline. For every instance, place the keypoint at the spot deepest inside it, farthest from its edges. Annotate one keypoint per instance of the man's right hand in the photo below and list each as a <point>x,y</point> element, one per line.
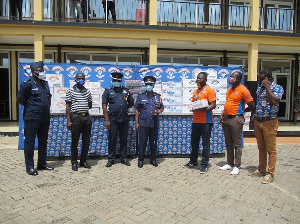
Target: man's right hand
<point>107,125</point>
<point>137,126</point>
<point>69,125</point>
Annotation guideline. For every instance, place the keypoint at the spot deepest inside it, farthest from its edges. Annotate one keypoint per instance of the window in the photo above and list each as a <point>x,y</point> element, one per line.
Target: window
<point>78,58</point>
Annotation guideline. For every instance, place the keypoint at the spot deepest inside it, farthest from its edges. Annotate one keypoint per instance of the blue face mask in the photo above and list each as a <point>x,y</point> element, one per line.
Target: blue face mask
<point>116,84</point>
<point>80,82</point>
<point>149,88</point>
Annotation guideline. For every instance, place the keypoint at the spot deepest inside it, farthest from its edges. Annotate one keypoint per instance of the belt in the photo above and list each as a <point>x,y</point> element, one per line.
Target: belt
<point>81,114</point>
<point>261,119</point>
<point>233,116</point>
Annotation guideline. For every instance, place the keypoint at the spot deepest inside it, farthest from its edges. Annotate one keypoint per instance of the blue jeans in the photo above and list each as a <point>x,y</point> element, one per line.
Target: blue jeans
<point>199,130</point>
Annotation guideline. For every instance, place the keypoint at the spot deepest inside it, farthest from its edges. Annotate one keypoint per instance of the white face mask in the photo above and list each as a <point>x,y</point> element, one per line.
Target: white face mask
<point>41,75</point>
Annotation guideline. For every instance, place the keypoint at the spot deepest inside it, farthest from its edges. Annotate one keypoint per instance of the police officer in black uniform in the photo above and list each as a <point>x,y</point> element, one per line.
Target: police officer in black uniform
<point>119,99</point>
<point>148,106</point>
<point>34,95</point>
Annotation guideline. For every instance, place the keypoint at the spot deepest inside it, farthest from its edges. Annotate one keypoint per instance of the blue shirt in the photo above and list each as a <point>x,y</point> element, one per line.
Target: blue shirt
<point>37,100</point>
<point>146,106</point>
<point>118,101</point>
<point>264,108</point>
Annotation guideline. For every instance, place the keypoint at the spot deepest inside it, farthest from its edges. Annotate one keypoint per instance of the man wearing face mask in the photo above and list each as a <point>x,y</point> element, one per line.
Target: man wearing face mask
<point>148,106</point>
<point>78,103</point>
<point>202,123</point>
<point>34,95</point>
<point>118,99</point>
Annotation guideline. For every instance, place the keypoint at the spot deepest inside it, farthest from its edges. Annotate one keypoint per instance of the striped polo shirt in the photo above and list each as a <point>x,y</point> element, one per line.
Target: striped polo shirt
<point>79,99</point>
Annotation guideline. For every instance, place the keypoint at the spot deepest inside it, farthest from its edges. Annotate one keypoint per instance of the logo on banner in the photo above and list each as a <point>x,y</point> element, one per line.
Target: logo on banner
<point>113,69</point>
<point>57,69</point>
<point>171,72</point>
<point>100,71</point>
<point>223,73</point>
<point>46,69</point>
<point>127,73</point>
<point>184,72</point>
<point>144,72</point>
<point>195,72</point>
<point>86,70</point>
<point>157,72</point>
<point>72,70</point>
<point>27,70</point>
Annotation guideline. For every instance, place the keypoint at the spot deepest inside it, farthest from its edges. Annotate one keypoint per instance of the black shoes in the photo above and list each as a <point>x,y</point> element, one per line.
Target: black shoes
<point>110,163</point>
<point>154,163</point>
<point>126,162</point>
<point>32,172</point>
<point>85,165</point>
<point>203,169</point>
<point>75,166</point>
<point>44,167</point>
<point>140,164</point>
<point>190,164</point>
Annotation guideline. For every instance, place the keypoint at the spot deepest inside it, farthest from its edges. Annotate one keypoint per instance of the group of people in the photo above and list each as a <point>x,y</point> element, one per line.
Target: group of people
<point>35,95</point>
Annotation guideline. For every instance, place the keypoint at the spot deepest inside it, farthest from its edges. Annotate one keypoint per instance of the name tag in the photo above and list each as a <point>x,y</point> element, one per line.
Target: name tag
<point>264,103</point>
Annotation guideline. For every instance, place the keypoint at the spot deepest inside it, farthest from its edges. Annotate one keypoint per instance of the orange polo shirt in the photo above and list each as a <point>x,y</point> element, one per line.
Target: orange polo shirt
<point>236,99</point>
<point>199,94</point>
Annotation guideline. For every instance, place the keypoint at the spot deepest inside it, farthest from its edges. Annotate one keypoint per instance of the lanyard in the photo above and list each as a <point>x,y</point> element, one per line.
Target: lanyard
<point>198,93</point>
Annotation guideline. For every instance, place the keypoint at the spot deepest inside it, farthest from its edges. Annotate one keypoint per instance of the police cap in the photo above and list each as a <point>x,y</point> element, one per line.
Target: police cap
<point>149,79</point>
<point>38,64</point>
<point>117,76</point>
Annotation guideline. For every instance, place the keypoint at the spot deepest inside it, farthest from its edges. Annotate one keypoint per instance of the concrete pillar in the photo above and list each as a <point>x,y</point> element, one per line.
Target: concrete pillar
<point>153,51</point>
<point>254,15</point>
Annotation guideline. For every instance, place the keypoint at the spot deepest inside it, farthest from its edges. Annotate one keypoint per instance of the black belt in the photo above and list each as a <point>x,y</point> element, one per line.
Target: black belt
<point>233,116</point>
<point>261,119</point>
<point>81,114</point>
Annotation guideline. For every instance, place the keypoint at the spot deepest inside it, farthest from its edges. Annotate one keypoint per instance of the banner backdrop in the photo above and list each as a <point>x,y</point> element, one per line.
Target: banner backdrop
<point>174,131</point>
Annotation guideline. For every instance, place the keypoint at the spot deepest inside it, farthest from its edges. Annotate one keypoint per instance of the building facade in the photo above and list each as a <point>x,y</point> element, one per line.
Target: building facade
<point>254,34</point>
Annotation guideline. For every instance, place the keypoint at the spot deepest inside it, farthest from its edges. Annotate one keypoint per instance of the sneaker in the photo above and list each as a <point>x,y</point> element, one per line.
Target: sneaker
<point>235,171</point>
<point>256,173</point>
<point>190,164</point>
<point>225,167</point>
<point>203,169</point>
<point>267,179</point>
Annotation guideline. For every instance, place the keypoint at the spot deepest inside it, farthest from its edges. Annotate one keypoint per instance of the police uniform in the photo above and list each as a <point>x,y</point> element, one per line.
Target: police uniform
<point>118,100</point>
<point>148,122</point>
<point>36,116</point>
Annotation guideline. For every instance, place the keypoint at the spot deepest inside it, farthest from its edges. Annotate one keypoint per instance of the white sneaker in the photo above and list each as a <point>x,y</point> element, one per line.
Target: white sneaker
<point>235,171</point>
<point>225,167</point>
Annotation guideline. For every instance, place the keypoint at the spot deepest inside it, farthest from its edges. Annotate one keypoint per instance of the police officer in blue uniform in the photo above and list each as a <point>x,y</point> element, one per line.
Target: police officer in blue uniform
<point>34,95</point>
<point>119,99</point>
<point>148,106</point>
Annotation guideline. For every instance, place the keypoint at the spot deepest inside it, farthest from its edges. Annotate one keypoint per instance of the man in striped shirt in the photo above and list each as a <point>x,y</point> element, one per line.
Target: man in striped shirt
<point>79,101</point>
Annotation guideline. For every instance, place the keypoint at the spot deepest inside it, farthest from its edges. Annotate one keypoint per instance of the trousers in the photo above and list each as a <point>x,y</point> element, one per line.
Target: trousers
<point>144,134</point>
<point>116,128</point>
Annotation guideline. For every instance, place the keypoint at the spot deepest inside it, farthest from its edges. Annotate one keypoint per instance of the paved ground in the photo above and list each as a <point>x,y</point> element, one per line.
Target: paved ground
<point>166,194</point>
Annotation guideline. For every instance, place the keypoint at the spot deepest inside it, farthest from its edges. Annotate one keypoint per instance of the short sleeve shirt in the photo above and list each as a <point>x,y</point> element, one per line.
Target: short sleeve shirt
<point>236,99</point>
<point>79,99</point>
<point>199,94</point>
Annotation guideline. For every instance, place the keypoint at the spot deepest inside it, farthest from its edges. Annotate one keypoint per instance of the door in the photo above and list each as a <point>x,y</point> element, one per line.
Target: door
<point>284,108</point>
<point>4,94</point>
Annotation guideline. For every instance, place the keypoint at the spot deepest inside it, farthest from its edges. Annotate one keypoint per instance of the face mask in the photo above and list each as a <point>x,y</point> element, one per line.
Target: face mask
<point>149,88</point>
<point>116,84</point>
<point>80,82</point>
<point>41,75</point>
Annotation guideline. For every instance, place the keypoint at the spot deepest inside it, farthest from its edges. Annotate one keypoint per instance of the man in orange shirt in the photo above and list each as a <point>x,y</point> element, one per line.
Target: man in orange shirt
<point>232,120</point>
<point>202,122</point>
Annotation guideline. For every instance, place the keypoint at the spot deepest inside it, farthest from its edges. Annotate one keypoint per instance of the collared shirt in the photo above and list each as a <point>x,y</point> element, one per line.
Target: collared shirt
<point>79,99</point>
<point>264,108</point>
<point>37,100</point>
<point>146,106</point>
<point>117,101</point>
<point>236,99</point>
<point>209,94</point>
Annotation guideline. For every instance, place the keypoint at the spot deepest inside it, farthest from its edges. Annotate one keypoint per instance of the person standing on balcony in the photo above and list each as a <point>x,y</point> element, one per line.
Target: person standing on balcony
<point>141,11</point>
<point>75,4</point>
<point>109,5</point>
<point>119,99</point>
<point>202,123</point>
<point>232,120</point>
<point>34,94</point>
<point>16,9</point>
<point>266,124</point>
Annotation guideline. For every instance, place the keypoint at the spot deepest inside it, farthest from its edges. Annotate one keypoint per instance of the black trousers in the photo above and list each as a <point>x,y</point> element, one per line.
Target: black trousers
<point>31,130</point>
<point>80,125</point>
<point>144,134</point>
<point>16,9</point>
<point>111,8</point>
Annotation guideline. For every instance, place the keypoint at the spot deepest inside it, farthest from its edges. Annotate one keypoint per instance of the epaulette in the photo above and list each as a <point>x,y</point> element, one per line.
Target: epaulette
<point>26,80</point>
<point>110,87</point>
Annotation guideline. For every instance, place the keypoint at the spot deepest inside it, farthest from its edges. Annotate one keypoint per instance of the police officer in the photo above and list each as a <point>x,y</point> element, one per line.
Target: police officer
<point>119,100</point>
<point>148,106</point>
<point>78,103</point>
<point>34,95</point>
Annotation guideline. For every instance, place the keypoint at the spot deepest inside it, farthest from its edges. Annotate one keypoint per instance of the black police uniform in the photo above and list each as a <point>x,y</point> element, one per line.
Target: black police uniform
<point>36,116</point>
<point>118,100</point>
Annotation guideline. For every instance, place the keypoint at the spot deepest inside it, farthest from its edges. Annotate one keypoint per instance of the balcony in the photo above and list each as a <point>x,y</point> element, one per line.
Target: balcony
<point>169,13</point>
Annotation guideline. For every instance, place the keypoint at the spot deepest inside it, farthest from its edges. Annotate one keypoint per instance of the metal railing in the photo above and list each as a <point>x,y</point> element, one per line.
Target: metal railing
<point>21,10</point>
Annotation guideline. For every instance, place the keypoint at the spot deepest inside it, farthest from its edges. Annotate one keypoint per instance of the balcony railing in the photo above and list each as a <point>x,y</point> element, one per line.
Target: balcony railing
<point>169,12</point>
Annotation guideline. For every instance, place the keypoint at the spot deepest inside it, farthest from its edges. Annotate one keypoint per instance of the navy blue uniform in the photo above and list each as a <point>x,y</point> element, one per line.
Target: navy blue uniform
<point>118,116</point>
<point>36,116</point>
<point>148,122</point>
